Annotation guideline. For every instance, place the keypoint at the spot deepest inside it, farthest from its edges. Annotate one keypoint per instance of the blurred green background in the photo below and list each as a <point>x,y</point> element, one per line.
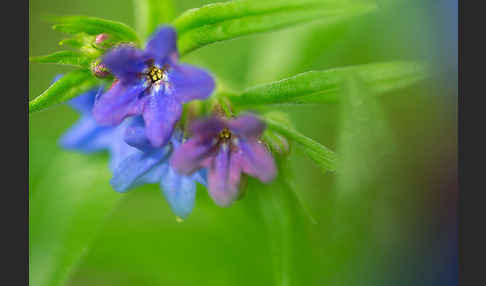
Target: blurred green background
<point>388,218</point>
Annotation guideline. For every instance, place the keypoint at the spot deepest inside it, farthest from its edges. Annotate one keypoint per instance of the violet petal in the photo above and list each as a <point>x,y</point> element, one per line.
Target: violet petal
<point>190,83</point>
<point>117,103</point>
<point>161,113</point>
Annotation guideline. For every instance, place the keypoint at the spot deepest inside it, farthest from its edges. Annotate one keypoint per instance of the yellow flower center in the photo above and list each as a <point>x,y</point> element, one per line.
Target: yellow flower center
<point>225,134</point>
<point>155,74</point>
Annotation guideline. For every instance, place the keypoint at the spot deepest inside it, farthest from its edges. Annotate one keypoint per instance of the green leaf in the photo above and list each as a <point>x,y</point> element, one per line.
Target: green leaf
<point>321,155</point>
<point>67,87</point>
<point>286,220</point>
<point>316,87</point>
<point>366,179</point>
<point>149,14</point>
<point>224,21</point>
<point>95,26</point>
<point>64,58</point>
<point>66,211</point>
<point>366,141</point>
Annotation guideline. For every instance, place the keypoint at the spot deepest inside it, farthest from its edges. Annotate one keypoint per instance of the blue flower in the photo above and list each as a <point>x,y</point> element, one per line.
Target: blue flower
<point>132,166</point>
<point>151,83</point>
<point>86,136</point>
<point>151,165</point>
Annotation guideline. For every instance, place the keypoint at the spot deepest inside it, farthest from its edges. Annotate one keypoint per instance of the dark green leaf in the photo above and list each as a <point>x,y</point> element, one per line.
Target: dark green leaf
<point>67,87</point>
<point>316,87</point>
<point>95,26</point>
<point>149,14</point>
<point>322,156</point>
<point>64,58</point>
<point>223,21</point>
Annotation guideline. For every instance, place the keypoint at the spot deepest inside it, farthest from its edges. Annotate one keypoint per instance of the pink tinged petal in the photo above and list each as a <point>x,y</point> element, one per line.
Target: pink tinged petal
<point>117,103</point>
<point>224,177</point>
<point>190,156</point>
<point>247,125</point>
<point>208,127</point>
<point>161,113</point>
<point>190,83</point>
<point>163,44</point>
<point>256,160</point>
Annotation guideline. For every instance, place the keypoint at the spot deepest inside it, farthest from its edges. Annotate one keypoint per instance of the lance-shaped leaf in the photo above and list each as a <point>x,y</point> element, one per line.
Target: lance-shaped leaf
<point>321,155</point>
<point>223,21</point>
<point>94,26</point>
<point>369,174</point>
<point>149,14</point>
<point>64,58</point>
<point>317,87</point>
<point>67,87</point>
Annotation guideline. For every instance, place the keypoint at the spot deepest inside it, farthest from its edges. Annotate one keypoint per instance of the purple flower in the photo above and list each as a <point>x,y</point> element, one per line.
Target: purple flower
<point>151,83</point>
<point>151,165</point>
<point>132,166</point>
<point>227,148</point>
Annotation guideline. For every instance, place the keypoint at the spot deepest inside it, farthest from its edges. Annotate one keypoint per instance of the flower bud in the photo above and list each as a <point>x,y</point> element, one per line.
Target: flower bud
<point>101,38</point>
<point>99,70</point>
<point>277,143</point>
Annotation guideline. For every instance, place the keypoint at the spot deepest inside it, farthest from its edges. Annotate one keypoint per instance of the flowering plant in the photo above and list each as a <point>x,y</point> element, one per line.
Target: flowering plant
<point>167,122</point>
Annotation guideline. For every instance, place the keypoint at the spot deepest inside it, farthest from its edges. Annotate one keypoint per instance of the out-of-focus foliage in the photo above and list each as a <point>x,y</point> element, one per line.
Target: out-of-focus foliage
<point>324,86</point>
<point>64,57</point>
<point>223,21</point>
<point>151,13</point>
<point>95,26</point>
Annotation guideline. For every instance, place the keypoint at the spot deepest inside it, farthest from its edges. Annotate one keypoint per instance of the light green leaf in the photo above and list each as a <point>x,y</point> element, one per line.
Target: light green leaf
<point>366,141</point>
<point>64,58</point>
<point>149,14</point>
<point>228,20</point>
<point>66,211</point>
<point>366,177</point>
<point>94,26</point>
<point>67,87</point>
<point>317,87</point>
<point>286,226</point>
<point>75,42</point>
<point>321,155</point>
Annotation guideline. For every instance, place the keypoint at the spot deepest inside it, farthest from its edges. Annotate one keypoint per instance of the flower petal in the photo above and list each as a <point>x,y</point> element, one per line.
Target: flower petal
<point>135,135</point>
<point>119,150</point>
<point>125,62</point>
<point>247,125</point>
<point>133,167</point>
<point>190,83</point>
<point>161,113</point>
<point>155,174</point>
<point>117,103</point>
<point>180,192</point>
<point>208,127</point>
<point>87,136</point>
<point>163,43</point>
<point>201,176</point>
<point>256,160</point>
<point>189,156</point>
<point>224,178</point>
<point>84,102</point>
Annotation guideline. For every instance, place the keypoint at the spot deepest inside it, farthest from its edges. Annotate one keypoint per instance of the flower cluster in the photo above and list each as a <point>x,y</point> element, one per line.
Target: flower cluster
<point>137,121</point>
